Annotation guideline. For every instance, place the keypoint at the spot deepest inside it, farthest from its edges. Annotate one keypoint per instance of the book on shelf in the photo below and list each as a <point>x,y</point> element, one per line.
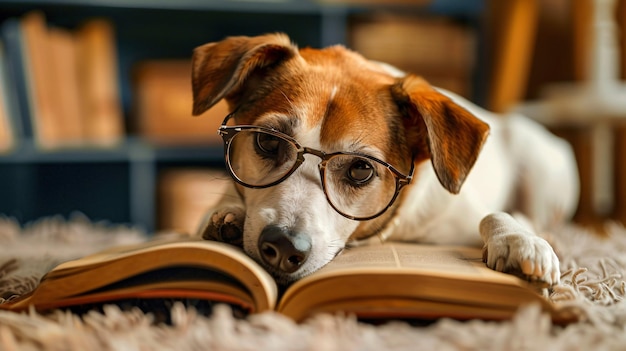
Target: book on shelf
<point>15,78</point>
<point>440,49</point>
<point>8,130</point>
<point>6,135</point>
<point>40,82</point>
<point>98,72</point>
<point>67,93</point>
<point>185,194</point>
<point>65,82</point>
<point>162,105</point>
<point>385,281</point>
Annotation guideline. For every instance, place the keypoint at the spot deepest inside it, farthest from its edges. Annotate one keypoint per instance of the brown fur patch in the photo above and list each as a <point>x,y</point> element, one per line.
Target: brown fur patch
<point>454,136</point>
<point>219,69</point>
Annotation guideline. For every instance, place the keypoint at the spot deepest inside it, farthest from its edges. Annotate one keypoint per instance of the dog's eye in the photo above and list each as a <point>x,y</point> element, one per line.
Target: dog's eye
<point>360,172</point>
<point>267,144</point>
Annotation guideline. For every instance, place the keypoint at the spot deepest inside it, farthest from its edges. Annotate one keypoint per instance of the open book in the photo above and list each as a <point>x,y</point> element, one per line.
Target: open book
<point>390,280</point>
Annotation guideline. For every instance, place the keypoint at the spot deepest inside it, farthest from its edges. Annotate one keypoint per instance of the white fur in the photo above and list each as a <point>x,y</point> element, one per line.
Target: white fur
<point>297,203</point>
<point>518,152</point>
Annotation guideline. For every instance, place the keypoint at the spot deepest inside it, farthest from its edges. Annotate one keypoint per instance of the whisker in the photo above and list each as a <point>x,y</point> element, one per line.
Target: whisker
<point>291,104</point>
<point>335,247</point>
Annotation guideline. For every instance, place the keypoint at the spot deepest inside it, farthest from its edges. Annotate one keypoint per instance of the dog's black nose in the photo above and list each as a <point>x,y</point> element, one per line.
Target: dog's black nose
<point>284,250</point>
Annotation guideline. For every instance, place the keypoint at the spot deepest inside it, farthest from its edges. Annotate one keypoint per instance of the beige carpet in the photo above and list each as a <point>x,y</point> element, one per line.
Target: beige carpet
<point>592,284</point>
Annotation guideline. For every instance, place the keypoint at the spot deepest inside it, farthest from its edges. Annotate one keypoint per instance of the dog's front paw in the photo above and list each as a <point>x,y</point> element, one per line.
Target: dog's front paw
<point>530,257</point>
<point>225,225</point>
<point>512,248</point>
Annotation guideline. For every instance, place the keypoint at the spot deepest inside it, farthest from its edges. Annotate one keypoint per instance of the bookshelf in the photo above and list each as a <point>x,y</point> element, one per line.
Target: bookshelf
<point>118,184</point>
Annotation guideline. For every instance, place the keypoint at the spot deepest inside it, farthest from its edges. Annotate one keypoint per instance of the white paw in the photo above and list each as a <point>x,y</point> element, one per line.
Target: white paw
<point>529,256</point>
<point>512,248</point>
<point>225,225</point>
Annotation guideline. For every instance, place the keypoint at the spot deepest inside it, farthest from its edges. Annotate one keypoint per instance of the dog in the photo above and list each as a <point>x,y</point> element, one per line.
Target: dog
<point>327,148</point>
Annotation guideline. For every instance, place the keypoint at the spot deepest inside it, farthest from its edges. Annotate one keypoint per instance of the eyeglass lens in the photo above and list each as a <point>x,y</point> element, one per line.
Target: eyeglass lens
<point>259,159</point>
<point>355,186</point>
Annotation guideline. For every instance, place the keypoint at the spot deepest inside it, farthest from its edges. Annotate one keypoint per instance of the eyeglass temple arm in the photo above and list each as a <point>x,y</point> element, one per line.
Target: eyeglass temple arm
<point>409,178</point>
<point>227,118</point>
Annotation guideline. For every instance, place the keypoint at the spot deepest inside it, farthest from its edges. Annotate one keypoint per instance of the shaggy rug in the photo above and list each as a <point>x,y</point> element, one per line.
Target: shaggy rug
<point>592,285</point>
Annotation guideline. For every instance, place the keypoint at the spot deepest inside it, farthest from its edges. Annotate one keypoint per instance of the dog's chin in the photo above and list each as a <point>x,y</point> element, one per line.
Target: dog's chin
<point>285,279</point>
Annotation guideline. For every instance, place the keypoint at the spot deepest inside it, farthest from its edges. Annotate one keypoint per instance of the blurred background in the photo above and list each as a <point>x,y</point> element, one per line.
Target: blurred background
<point>95,100</point>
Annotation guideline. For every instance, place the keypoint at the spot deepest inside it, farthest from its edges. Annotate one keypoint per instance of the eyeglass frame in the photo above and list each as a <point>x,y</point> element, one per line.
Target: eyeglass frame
<point>229,132</point>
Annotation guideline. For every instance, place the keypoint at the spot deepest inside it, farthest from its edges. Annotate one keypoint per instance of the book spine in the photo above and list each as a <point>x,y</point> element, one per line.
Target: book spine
<point>8,133</point>
<point>40,81</point>
<point>16,78</point>
<point>98,72</point>
<point>67,93</point>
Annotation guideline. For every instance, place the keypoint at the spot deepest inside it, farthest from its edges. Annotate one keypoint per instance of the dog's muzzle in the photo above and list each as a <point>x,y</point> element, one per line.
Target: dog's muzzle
<point>283,250</point>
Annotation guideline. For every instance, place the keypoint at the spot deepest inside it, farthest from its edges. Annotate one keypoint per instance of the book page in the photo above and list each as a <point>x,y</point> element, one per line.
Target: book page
<point>457,262</point>
<point>115,265</point>
<point>379,275</point>
<point>408,256</point>
<point>113,253</point>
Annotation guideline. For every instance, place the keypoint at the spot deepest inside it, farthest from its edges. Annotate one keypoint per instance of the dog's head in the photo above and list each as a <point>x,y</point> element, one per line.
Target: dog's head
<point>322,102</point>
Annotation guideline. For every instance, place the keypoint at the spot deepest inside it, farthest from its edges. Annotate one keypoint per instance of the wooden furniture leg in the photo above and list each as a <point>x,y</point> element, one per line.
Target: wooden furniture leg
<point>619,175</point>
<point>516,23</point>
<point>581,139</point>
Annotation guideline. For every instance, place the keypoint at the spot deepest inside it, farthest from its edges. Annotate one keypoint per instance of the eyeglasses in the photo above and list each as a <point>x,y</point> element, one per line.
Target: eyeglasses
<point>258,157</point>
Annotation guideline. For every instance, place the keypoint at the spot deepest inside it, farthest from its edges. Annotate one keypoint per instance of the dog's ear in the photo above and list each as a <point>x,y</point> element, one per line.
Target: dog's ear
<point>219,69</point>
<point>453,138</point>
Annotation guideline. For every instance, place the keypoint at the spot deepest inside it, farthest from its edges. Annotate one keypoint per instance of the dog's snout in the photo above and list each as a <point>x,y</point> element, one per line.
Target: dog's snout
<point>284,250</point>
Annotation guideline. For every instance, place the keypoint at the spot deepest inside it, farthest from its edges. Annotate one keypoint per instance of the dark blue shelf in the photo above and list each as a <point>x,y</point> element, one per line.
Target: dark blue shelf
<point>263,6</point>
<point>443,7</point>
<point>130,150</point>
<point>115,183</point>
